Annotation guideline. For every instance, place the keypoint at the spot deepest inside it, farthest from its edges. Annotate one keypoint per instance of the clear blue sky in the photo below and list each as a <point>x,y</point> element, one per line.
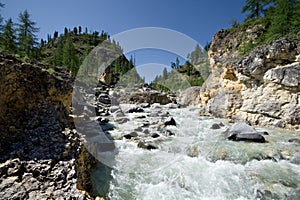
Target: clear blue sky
<point>198,19</point>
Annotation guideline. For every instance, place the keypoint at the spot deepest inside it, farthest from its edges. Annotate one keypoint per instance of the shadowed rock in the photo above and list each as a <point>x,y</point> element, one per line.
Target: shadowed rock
<point>170,121</point>
<point>243,132</point>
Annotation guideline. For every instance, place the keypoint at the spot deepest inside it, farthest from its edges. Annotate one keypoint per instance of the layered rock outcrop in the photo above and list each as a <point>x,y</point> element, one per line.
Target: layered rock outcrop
<point>262,87</point>
<point>39,156</point>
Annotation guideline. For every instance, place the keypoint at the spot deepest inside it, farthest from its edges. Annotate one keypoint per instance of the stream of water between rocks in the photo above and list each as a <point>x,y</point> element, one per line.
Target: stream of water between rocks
<point>193,161</point>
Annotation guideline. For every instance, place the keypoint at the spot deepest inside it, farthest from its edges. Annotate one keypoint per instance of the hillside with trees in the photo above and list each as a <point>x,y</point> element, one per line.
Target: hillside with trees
<point>273,19</point>
<point>68,49</point>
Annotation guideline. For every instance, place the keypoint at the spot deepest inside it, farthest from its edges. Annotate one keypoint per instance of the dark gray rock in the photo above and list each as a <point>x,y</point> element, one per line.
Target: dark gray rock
<point>146,131</point>
<point>136,110</point>
<point>141,117</point>
<point>138,129</point>
<point>294,141</point>
<point>130,135</point>
<point>243,132</point>
<point>170,121</point>
<point>217,126</point>
<point>250,137</point>
<point>155,135</point>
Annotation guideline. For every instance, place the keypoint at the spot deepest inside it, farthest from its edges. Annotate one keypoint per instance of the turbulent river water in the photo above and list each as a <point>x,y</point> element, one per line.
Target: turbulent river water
<point>197,162</point>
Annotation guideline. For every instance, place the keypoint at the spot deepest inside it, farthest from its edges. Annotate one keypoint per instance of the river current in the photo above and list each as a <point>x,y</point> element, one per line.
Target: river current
<point>197,162</point>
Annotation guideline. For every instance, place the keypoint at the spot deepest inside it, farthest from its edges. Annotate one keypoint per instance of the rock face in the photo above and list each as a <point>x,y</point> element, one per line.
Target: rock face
<point>37,151</point>
<point>190,96</point>
<point>31,98</point>
<point>262,87</point>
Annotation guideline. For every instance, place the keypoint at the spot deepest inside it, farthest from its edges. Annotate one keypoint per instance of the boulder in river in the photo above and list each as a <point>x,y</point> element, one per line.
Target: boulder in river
<point>294,140</point>
<point>155,135</point>
<point>147,146</point>
<point>170,121</point>
<point>243,132</point>
<point>217,126</point>
<point>130,135</point>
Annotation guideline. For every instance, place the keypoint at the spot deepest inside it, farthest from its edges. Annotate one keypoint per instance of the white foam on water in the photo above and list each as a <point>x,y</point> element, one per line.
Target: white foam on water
<point>171,172</point>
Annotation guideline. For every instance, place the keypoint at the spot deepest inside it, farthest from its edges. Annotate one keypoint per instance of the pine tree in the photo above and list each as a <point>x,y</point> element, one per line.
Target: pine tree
<point>8,40</point>
<point>75,30</point>
<point>165,74</point>
<point>58,54</point>
<point>282,19</point>
<point>26,35</point>
<point>55,35</point>
<point>1,18</point>
<point>70,58</point>
<point>296,18</point>
<point>196,54</point>
<point>255,8</point>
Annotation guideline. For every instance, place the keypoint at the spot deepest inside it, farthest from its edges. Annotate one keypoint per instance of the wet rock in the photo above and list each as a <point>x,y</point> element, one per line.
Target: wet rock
<point>114,109</point>
<point>170,121</point>
<point>145,105</point>
<point>243,132</point>
<point>169,133</point>
<point>136,110</point>
<point>104,99</point>
<point>217,126</point>
<point>251,137</point>
<point>146,124</point>
<point>141,117</point>
<point>147,146</point>
<point>146,131</point>
<point>131,135</point>
<point>122,120</point>
<point>294,141</point>
<point>155,135</point>
<point>139,129</point>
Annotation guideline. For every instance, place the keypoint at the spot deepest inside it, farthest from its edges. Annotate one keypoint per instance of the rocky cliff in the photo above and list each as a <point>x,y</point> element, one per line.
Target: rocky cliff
<point>262,87</point>
<point>39,147</point>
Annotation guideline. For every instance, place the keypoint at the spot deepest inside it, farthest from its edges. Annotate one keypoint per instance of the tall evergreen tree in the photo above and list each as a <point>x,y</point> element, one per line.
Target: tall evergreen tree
<point>283,17</point>
<point>196,54</point>
<point>8,40</point>
<point>27,38</point>
<point>1,18</point>
<point>165,74</point>
<point>70,58</point>
<point>296,18</point>
<point>58,54</point>
<point>1,21</point>
<point>255,8</point>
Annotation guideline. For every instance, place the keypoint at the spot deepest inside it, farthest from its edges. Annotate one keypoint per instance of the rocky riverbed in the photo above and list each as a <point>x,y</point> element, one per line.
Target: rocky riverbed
<point>170,152</point>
